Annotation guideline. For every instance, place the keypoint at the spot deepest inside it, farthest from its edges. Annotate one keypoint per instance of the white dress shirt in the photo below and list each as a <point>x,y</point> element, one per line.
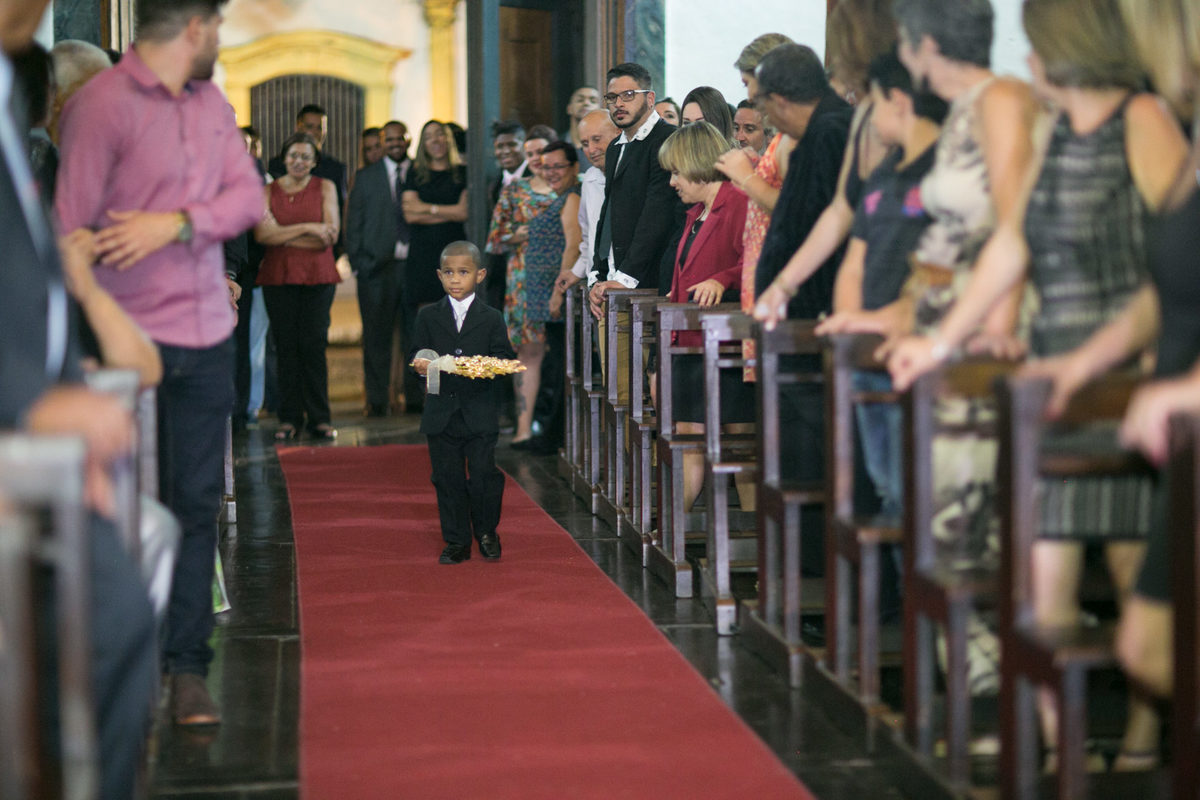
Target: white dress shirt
<point>401,247</point>
<point>459,307</point>
<point>615,274</point>
<point>591,198</point>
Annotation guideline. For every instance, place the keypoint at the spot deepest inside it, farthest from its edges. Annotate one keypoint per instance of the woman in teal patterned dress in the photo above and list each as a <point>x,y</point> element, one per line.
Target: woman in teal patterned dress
<point>519,203</point>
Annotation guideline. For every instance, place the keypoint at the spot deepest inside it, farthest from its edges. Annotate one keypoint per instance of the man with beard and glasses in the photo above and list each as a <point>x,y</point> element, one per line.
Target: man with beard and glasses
<point>640,210</point>
<point>154,164</point>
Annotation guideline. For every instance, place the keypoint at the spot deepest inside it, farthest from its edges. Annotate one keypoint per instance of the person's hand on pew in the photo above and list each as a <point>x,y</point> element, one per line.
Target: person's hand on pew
<point>1145,424</point>
<point>910,357</point>
<point>706,293</point>
<point>883,321</point>
<point>556,303</point>
<point>106,427</point>
<point>1067,372</point>
<point>596,296</point>
<point>565,280</point>
<point>1003,346</point>
<point>771,307</point>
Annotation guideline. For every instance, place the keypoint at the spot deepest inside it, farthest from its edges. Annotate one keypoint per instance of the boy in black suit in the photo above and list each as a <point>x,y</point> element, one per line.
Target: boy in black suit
<point>461,421</point>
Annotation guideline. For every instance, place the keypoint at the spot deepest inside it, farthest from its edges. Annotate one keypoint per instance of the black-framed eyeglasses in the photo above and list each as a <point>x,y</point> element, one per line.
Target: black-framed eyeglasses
<point>625,96</point>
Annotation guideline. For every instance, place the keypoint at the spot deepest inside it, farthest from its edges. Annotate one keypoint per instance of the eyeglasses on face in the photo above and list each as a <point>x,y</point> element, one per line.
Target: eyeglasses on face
<point>554,167</point>
<point>625,96</point>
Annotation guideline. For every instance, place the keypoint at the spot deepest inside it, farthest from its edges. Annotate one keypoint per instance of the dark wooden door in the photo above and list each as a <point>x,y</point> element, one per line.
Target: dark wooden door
<point>527,66</point>
<point>274,103</point>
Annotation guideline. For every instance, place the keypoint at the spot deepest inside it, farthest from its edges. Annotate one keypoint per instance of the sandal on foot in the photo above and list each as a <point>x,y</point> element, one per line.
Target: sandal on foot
<point>1093,762</point>
<point>323,431</point>
<point>285,433</point>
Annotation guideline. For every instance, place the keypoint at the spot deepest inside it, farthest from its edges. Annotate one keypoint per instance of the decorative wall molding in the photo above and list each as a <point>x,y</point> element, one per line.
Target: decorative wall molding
<point>351,58</point>
<point>441,16</point>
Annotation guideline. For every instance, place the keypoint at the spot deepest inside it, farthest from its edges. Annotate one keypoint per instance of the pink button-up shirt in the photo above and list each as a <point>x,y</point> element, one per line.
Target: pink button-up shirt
<point>128,144</point>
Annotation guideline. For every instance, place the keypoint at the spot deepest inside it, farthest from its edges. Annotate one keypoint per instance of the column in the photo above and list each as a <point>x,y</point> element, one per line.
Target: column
<point>440,15</point>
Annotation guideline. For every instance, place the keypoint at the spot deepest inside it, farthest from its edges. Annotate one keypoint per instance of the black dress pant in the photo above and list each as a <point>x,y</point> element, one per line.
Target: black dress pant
<point>300,319</point>
<point>379,306</point>
<point>802,458</point>
<point>470,487</point>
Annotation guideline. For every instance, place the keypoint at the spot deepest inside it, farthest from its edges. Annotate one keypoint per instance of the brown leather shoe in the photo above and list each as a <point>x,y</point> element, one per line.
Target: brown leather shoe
<point>190,701</point>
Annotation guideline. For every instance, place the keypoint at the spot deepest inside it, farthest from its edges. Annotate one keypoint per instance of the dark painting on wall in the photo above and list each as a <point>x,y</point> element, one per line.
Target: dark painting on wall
<point>78,19</point>
<point>645,40</point>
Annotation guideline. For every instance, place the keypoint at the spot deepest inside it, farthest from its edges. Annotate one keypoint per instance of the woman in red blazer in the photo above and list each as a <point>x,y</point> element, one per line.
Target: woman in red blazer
<point>708,265</point>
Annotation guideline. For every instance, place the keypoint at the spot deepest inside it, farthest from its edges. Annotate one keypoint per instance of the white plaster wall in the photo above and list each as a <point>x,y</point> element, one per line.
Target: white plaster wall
<point>1010,46</point>
<point>399,23</point>
<point>705,37</point>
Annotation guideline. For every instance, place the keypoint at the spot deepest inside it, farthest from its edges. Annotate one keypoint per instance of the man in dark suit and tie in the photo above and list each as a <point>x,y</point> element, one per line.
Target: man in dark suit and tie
<point>377,237</point>
<point>641,211</point>
<point>462,418</point>
<point>40,392</point>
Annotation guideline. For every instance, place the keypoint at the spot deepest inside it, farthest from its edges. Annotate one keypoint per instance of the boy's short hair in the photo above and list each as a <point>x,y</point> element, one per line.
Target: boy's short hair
<point>889,74</point>
<point>460,248</point>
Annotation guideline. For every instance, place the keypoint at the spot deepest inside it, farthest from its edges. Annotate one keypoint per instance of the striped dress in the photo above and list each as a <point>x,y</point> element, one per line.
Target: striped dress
<point>1085,226</point>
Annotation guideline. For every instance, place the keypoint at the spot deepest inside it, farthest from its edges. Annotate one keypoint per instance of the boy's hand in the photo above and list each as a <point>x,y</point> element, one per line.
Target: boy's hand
<point>421,365</point>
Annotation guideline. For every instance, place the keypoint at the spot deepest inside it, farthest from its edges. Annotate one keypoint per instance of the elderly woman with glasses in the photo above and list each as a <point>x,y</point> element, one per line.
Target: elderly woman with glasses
<point>298,279</point>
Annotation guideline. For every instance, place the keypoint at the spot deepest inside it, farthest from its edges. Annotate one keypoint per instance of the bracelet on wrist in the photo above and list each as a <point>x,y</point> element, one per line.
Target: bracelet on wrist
<point>433,210</point>
<point>940,350</point>
<point>745,179</point>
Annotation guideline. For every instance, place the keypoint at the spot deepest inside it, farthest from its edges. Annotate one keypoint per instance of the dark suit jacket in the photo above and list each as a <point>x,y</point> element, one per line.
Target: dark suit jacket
<point>483,334</point>
<point>29,365</point>
<point>645,209</point>
<point>808,189</point>
<point>371,221</point>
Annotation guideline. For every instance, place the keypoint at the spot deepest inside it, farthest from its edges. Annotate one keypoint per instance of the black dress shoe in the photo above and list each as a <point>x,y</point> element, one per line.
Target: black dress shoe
<point>489,547</point>
<point>523,444</point>
<point>456,554</point>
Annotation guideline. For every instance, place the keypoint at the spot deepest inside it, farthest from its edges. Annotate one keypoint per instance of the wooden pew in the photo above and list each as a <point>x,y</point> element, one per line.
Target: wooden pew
<point>667,559</point>
<point>1032,654</point>
<point>728,546</point>
<point>853,543</point>
<point>771,625</point>
<point>20,778</point>
<point>1184,542</point>
<point>935,592</point>
<point>643,422</point>
<point>228,513</point>
<point>47,474</point>
<point>571,455</point>
<point>614,502</point>
<point>587,484</point>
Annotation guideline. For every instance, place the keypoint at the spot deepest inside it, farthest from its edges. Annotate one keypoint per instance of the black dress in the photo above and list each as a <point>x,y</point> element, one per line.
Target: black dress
<point>444,188</point>
<point>1174,239</point>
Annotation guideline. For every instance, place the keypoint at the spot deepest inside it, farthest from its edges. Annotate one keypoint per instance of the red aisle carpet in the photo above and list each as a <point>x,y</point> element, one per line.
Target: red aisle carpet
<point>533,677</point>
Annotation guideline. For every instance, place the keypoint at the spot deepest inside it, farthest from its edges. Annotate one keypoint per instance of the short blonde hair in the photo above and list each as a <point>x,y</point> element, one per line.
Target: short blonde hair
<point>1167,36</point>
<point>693,150</point>
<point>1083,44</point>
<point>753,53</point>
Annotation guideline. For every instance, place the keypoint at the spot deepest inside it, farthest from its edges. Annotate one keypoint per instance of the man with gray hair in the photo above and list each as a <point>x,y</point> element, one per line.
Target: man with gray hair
<point>154,164</point>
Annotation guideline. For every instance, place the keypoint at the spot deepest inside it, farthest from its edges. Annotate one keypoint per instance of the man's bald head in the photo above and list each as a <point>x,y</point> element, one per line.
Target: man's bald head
<point>596,132</point>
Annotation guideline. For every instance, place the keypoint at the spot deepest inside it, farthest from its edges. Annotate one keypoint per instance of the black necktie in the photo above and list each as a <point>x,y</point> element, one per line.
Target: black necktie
<point>402,232</point>
<point>606,225</point>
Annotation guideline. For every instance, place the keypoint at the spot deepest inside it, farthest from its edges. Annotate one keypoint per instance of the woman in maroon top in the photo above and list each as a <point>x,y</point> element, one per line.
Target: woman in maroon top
<point>708,265</point>
<point>298,277</point>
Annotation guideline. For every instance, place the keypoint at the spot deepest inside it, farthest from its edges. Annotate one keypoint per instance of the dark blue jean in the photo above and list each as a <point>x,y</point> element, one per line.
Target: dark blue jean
<point>194,400</point>
<point>880,432</point>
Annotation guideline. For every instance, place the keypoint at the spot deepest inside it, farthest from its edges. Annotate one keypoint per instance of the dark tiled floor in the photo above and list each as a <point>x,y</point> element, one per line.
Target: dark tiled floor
<point>256,673</point>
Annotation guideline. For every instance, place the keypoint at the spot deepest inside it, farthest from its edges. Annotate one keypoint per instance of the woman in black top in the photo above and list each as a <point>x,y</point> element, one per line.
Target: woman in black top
<point>435,206</point>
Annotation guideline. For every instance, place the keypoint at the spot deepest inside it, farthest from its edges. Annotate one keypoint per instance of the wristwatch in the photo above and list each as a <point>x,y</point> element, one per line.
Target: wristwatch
<point>184,232</point>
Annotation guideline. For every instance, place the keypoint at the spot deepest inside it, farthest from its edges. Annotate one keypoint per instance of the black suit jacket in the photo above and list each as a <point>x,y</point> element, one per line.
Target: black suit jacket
<point>483,334</point>
<point>371,221</point>
<point>40,346</point>
<point>645,210</point>
<point>808,189</point>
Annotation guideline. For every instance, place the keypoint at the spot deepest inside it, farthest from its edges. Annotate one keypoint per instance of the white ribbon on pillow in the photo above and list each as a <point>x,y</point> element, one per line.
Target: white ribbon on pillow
<point>437,365</point>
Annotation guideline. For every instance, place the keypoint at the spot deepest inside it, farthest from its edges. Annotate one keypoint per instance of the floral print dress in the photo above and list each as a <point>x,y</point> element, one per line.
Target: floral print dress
<point>517,206</point>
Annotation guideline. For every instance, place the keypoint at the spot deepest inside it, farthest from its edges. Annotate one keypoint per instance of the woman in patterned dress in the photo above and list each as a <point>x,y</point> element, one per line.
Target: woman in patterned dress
<point>519,203</point>
<point>1105,162</point>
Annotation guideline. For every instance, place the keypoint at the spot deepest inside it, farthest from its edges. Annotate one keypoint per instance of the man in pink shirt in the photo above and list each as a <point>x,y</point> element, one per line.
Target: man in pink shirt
<point>153,162</point>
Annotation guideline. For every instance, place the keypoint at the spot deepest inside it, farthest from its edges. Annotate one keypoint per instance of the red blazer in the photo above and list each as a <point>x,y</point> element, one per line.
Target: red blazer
<point>716,253</point>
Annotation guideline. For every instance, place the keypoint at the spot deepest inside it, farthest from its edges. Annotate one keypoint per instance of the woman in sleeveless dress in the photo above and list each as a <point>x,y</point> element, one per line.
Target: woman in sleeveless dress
<point>1103,163</point>
<point>1163,313</point>
<point>298,277</point>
